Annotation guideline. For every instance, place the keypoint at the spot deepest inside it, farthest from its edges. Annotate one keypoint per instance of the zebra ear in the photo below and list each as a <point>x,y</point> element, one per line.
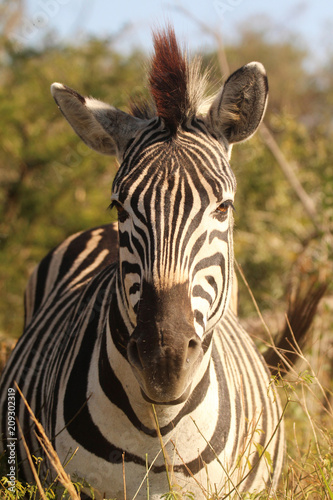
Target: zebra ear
<point>102,127</point>
<point>239,107</point>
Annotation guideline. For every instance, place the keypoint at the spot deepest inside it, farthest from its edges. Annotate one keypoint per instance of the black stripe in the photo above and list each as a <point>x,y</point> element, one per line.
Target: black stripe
<point>198,291</point>
<point>42,274</point>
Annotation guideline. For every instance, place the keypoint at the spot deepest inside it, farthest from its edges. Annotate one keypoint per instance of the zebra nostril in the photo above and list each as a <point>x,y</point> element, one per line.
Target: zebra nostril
<point>193,350</point>
<point>133,354</point>
<point>193,344</point>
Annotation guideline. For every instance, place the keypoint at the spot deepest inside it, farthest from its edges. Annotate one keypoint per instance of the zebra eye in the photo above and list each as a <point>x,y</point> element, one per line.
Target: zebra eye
<point>223,208</point>
<point>117,206</point>
<point>122,214</point>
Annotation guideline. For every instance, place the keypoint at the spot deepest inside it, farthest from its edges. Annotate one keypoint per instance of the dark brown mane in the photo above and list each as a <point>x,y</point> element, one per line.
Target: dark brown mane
<point>177,87</point>
<point>168,79</point>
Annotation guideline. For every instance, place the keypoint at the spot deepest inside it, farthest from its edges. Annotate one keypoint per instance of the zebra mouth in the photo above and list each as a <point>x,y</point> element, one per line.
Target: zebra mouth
<point>176,401</point>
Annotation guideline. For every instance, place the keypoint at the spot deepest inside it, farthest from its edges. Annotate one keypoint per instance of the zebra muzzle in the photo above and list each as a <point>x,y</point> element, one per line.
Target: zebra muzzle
<point>164,350</point>
<point>164,372</point>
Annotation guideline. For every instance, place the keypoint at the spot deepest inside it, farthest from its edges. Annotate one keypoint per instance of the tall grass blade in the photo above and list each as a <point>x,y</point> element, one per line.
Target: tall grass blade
<point>50,452</point>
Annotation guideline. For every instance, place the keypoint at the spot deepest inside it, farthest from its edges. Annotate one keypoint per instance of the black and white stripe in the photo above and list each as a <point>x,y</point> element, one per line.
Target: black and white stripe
<point>110,330</point>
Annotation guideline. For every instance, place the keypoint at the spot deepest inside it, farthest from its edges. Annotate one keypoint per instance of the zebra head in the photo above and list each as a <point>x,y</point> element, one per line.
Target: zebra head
<point>174,192</point>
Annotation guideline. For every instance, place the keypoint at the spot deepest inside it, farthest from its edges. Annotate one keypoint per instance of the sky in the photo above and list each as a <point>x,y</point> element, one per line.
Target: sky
<point>129,22</point>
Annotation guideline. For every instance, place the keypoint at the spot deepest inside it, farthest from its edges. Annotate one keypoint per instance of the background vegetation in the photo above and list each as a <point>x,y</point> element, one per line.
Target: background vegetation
<point>52,185</point>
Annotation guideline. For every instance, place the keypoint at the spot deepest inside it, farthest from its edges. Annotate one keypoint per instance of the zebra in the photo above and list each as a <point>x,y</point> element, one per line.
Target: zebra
<point>131,352</point>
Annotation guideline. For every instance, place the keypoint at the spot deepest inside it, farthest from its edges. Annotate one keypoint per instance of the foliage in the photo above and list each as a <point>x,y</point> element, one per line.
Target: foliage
<point>271,227</point>
<point>51,184</point>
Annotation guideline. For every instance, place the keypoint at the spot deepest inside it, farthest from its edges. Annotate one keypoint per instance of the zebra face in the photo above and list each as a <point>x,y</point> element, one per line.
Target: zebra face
<point>174,202</point>
<point>174,193</point>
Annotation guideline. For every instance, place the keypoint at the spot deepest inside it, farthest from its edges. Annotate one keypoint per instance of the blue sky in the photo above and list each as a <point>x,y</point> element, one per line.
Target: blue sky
<point>130,21</point>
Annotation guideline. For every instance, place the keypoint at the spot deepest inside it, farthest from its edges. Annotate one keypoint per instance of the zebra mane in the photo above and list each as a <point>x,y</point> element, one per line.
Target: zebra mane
<point>177,86</point>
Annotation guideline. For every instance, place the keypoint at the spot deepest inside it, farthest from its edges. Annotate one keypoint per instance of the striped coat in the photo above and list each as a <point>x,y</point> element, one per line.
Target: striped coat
<point>129,337</point>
